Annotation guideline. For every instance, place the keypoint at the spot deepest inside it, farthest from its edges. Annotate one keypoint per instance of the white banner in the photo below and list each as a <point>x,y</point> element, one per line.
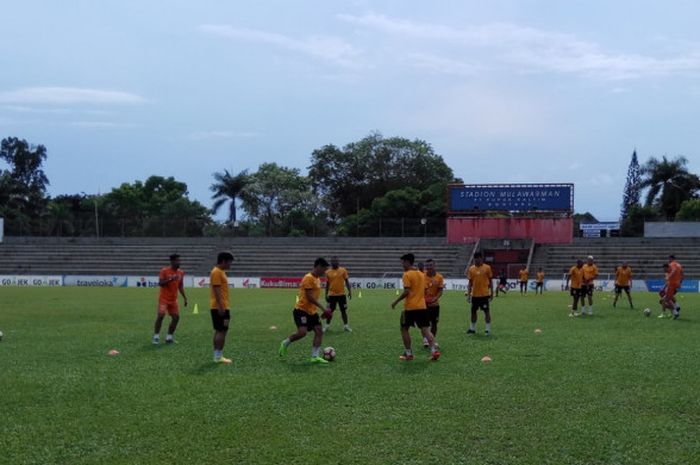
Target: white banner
<point>145,282</point>
<point>95,281</point>
<point>233,282</point>
<point>30,281</point>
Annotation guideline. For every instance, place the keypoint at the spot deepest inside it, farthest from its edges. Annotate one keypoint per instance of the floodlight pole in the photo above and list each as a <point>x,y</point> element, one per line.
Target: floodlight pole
<point>97,221</point>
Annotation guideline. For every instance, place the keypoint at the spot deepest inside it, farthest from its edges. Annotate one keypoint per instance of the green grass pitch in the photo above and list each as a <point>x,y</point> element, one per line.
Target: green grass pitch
<point>617,388</point>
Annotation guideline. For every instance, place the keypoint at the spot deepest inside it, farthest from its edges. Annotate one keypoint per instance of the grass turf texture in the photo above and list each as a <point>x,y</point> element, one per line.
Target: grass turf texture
<point>617,388</point>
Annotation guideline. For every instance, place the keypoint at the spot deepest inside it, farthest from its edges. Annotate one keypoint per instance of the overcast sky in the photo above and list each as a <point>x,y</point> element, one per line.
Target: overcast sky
<point>504,90</point>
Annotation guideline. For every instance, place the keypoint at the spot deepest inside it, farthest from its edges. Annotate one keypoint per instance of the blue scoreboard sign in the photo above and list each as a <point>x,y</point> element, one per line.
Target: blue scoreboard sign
<point>473,198</point>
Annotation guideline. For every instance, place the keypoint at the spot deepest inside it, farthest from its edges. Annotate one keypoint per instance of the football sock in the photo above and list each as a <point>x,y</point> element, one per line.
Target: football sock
<point>408,352</point>
<point>286,342</point>
<point>156,336</point>
<point>434,348</point>
<point>315,351</point>
<point>472,326</point>
<point>218,354</point>
<point>169,337</point>
<point>488,327</point>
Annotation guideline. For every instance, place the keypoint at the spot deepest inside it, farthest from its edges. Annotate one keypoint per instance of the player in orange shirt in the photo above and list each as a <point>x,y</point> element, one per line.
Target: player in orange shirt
<point>590,273</point>
<point>623,282</point>
<point>337,280</point>
<point>523,276</point>
<point>170,282</point>
<point>674,280</point>
<point>434,285</point>
<point>220,305</point>
<point>480,292</point>
<point>305,312</point>
<point>539,281</point>
<point>415,312</point>
<point>575,276</point>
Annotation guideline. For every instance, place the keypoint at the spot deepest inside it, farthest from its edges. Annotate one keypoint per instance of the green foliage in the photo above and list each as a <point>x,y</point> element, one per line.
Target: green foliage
<point>669,183</point>
<point>689,211</point>
<point>633,225</point>
<point>617,388</point>
<point>633,187</point>
<point>582,218</point>
<point>351,178</point>
<point>227,188</point>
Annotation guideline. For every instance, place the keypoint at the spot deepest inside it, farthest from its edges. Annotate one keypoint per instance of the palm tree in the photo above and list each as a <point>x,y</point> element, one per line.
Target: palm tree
<point>669,183</point>
<point>228,188</point>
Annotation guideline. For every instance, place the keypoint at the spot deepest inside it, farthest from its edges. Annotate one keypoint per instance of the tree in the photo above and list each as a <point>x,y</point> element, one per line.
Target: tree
<point>633,224</point>
<point>275,192</point>
<point>633,190</point>
<point>23,186</point>
<point>228,188</point>
<point>669,184</point>
<point>582,218</point>
<point>689,211</point>
<point>350,178</point>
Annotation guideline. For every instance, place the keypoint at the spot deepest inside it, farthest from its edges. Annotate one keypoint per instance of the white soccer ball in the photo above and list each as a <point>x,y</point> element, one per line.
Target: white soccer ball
<point>647,312</point>
<point>329,353</point>
<point>1,335</point>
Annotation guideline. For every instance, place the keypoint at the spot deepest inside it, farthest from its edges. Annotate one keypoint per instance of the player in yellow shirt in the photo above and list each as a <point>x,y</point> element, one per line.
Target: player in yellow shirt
<point>434,285</point>
<point>523,276</point>
<point>590,273</point>
<point>305,312</point>
<point>480,292</point>
<point>539,281</point>
<point>575,276</point>
<point>415,312</point>
<point>337,280</point>
<point>623,282</point>
<point>219,304</point>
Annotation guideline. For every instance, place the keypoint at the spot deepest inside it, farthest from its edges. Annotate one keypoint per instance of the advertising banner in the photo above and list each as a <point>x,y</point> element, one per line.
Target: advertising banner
<point>31,281</point>
<point>95,281</point>
<point>511,197</point>
<point>233,282</point>
<point>152,281</point>
<point>655,285</point>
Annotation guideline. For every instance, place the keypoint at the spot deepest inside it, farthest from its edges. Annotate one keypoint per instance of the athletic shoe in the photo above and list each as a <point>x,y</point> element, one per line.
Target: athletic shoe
<point>319,360</point>
<point>325,328</point>
<point>676,313</point>
<point>224,360</point>
<point>156,340</point>
<point>283,349</point>
<point>425,343</point>
<point>347,329</point>
<point>406,357</point>
<point>487,333</point>
<point>471,331</point>
<point>435,355</point>
<point>663,315</point>
<point>170,341</point>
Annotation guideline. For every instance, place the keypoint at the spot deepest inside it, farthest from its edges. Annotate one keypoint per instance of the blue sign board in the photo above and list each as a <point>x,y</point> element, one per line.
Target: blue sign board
<point>655,285</point>
<point>471,198</point>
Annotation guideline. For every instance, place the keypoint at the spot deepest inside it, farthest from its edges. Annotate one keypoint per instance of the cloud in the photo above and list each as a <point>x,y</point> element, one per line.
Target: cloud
<point>440,65</point>
<point>531,49</point>
<point>209,135</point>
<point>69,96</point>
<point>331,49</point>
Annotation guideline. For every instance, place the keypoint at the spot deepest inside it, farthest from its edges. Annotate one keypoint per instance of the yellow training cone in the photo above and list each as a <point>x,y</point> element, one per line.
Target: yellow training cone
<point>397,292</point>
<point>359,295</point>
<point>195,310</point>
<point>297,299</point>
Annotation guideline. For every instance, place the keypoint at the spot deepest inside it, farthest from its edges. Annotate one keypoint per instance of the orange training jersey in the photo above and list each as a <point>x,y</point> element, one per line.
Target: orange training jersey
<point>480,278</point>
<point>168,293</point>
<point>623,276</point>
<point>433,286</point>
<point>590,272</point>
<point>414,281</point>
<point>540,277</point>
<point>314,284</point>
<point>576,276</point>
<point>336,280</point>
<point>523,275</point>
<point>675,274</point>
<point>218,278</point>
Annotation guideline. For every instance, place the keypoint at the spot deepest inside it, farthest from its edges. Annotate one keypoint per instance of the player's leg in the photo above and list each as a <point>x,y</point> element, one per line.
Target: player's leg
<point>618,291</point>
<point>301,322</point>
<point>487,317</point>
<point>406,322</point>
<point>428,335</point>
<point>629,297</point>
<point>174,312</point>
<point>220,323</point>
<point>332,303</point>
<point>160,315</point>
<point>343,304</point>
<point>574,304</point>
<point>316,344</point>
<point>474,317</point>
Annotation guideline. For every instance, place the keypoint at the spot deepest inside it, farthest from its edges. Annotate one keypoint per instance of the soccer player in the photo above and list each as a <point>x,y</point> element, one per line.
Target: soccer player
<point>575,276</point>
<point>623,282</point>
<point>220,305</point>
<point>434,285</point>
<point>674,280</point>
<point>170,282</point>
<point>523,275</point>
<point>502,283</point>
<point>539,281</point>
<point>337,281</point>
<point>480,291</point>
<point>415,312</point>
<point>590,273</point>
<point>305,312</point>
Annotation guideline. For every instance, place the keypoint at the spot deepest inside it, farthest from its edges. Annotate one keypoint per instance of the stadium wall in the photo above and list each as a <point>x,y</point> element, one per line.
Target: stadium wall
<point>672,229</point>
<point>542,230</point>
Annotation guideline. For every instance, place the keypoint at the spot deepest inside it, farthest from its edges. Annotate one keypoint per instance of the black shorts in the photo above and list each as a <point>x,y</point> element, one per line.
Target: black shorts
<point>417,318</point>
<point>480,303</point>
<point>587,289</point>
<point>619,289</point>
<point>539,285</point>
<point>339,300</point>
<point>523,283</point>
<point>577,292</point>
<point>301,318</point>
<point>219,322</point>
<point>434,314</point>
